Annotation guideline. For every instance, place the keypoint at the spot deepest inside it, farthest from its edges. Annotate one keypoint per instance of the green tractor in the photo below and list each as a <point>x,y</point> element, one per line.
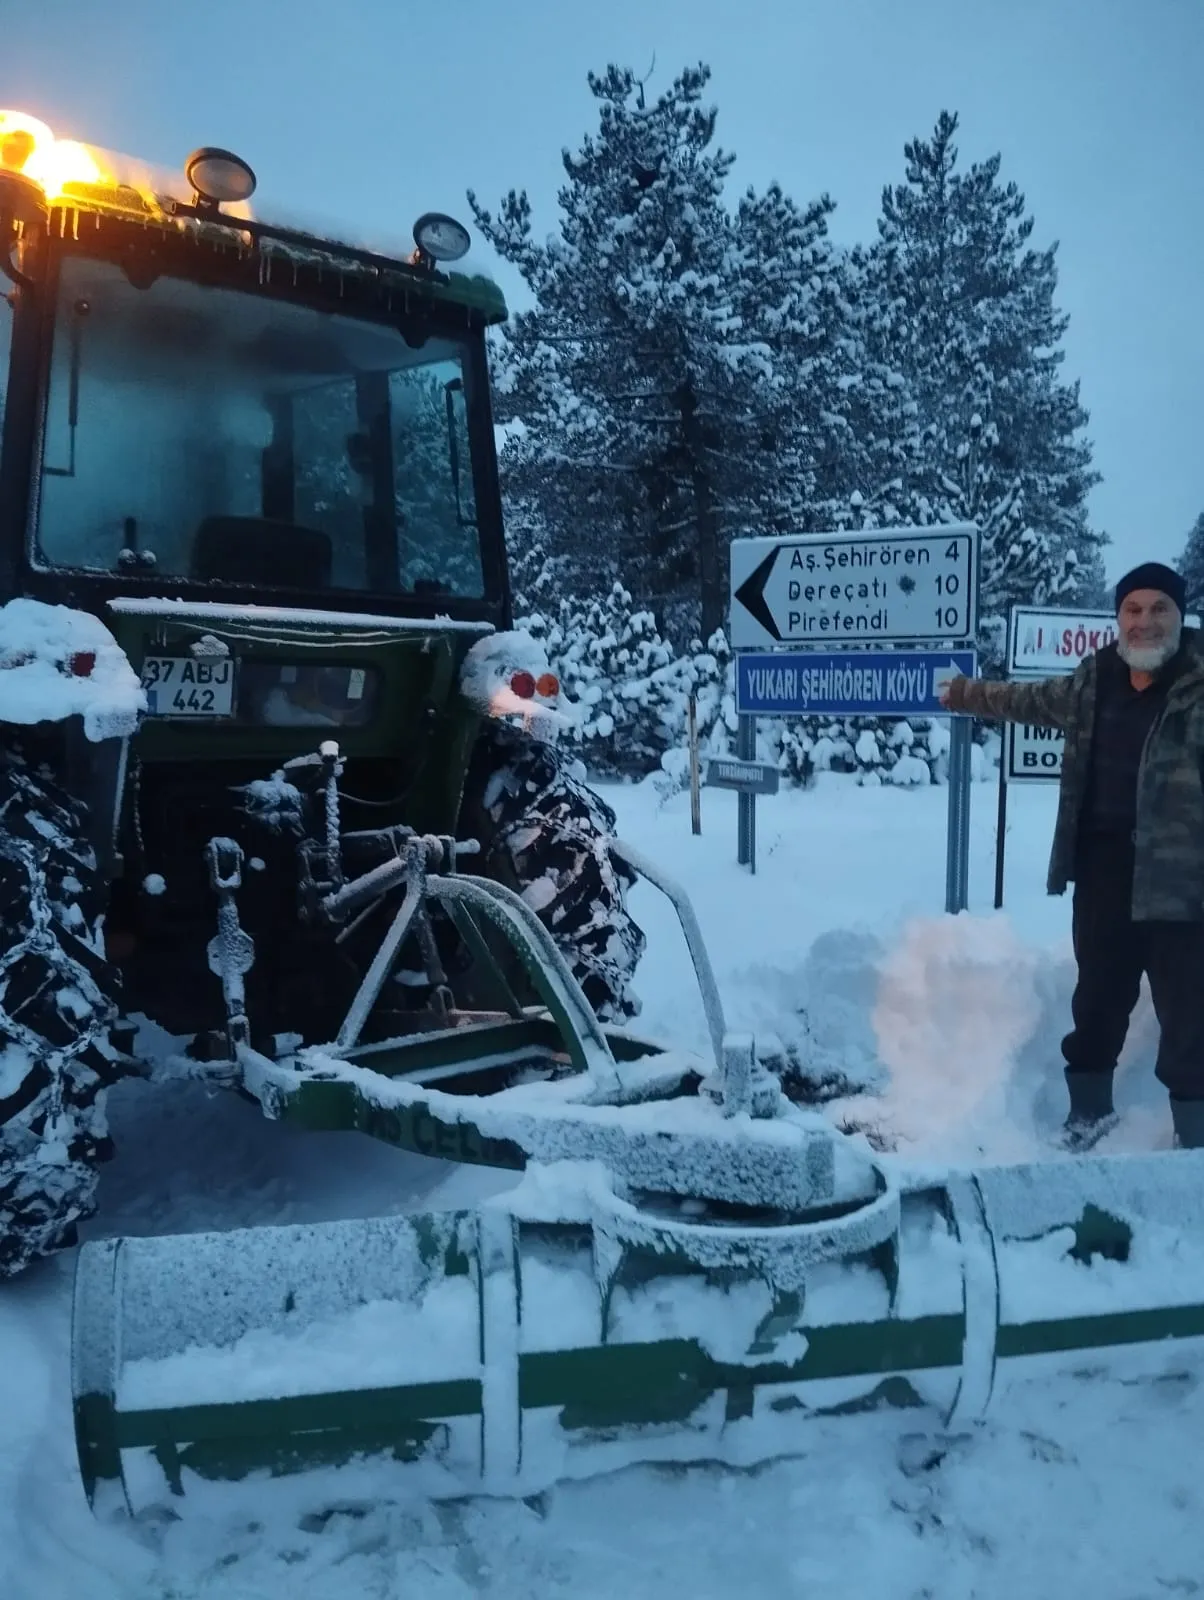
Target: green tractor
<point>257,653</point>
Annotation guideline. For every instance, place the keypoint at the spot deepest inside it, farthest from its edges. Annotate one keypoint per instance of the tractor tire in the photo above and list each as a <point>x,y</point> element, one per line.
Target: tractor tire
<point>544,833</point>
<point>57,1002</point>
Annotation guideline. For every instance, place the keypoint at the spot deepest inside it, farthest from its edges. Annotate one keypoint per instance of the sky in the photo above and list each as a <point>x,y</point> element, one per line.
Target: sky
<point>367,112</point>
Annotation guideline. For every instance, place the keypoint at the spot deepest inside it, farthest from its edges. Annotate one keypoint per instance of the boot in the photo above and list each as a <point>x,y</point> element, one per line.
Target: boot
<point>1091,1111</point>
<point>1188,1118</point>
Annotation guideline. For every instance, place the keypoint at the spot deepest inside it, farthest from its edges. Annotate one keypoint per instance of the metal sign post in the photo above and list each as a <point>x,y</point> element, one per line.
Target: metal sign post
<point>957,847</point>
<point>833,597</point>
<point>1001,825</point>
<point>749,779</point>
<point>746,805</point>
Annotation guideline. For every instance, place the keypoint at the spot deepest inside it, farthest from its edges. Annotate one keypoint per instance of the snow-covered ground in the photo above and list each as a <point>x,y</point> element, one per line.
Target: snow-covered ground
<point>950,1027</point>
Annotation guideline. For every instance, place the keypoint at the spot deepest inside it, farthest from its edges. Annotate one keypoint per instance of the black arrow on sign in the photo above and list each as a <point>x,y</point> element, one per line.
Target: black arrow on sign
<point>751,595</point>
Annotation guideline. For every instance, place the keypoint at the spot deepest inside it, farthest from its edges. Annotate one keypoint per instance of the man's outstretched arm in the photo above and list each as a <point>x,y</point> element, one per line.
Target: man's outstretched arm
<point>1044,704</point>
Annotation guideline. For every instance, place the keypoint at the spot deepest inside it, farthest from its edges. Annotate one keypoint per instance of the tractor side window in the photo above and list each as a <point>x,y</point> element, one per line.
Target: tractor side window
<point>329,492</point>
<point>436,503</point>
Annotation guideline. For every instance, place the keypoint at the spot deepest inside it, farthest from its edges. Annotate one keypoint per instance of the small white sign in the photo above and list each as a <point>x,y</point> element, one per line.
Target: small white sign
<point>877,586</point>
<point>1033,755</point>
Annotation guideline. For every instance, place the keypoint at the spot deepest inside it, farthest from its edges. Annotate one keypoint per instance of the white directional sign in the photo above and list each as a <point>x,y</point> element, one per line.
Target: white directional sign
<point>878,586</point>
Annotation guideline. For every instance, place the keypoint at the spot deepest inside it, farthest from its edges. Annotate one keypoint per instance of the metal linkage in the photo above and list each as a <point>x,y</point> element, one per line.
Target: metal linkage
<point>232,952</point>
<point>711,1002</point>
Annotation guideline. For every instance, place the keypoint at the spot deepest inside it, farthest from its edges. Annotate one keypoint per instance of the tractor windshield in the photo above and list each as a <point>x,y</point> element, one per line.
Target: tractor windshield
<point>215,435</point>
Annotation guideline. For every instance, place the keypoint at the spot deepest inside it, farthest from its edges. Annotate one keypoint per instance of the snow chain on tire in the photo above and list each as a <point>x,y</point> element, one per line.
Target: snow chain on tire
<point>57,1002</point>
<point>545,832</point>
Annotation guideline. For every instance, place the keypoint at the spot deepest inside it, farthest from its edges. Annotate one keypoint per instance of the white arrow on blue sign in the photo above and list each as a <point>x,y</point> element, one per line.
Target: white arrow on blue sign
<point>849,683</point>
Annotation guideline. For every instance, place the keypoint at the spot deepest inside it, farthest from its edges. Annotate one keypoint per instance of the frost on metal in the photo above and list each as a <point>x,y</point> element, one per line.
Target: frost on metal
<point>303,1309</point>
<point>685,1147</point>
<point>56,662</point>
<point>274,802</point>
<point>208,645</point>
<point>289,616</point>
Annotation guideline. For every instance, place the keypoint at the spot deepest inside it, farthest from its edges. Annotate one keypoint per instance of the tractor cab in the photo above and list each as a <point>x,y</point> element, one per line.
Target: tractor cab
<point>264,460</point>
<point>199,404</point>
<point>270,770</point>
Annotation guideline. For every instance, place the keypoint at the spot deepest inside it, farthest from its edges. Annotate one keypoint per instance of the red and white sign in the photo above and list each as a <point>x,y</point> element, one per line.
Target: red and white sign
<point>1045,641</point>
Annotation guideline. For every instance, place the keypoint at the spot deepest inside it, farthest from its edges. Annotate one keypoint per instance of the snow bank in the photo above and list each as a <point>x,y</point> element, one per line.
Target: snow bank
<point>956,1001</point>
<point>45,674</point>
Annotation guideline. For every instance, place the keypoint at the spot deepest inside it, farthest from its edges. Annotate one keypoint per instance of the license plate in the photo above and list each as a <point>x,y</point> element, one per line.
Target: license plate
<point>186,686</point>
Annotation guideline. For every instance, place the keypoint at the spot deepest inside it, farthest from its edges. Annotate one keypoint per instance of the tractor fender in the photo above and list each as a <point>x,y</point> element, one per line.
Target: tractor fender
<point>56,663</point>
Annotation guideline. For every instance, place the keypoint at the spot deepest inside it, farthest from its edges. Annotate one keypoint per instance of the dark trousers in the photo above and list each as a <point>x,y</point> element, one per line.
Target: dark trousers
<point>1112,952</point>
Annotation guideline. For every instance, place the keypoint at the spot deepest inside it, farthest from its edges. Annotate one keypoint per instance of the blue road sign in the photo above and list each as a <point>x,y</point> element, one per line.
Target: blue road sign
<point>847,683</point>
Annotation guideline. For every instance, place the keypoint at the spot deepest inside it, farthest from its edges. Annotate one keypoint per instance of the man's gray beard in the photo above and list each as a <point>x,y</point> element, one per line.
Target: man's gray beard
<point>1149,657</point>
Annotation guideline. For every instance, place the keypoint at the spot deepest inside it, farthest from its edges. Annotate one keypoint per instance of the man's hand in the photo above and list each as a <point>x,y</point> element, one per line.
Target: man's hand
<point>945,691</point>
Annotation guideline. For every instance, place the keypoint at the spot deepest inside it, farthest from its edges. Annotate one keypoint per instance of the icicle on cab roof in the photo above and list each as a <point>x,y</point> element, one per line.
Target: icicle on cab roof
<point>215,187</point>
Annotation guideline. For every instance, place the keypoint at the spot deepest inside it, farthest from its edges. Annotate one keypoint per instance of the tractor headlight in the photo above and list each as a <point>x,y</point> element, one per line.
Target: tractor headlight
<point>219,177</point>
<point>440,237</point>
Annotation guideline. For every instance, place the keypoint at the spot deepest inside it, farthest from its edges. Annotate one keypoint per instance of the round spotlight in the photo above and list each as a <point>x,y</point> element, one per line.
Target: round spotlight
<point>219,177</point>
<point>440,237</point>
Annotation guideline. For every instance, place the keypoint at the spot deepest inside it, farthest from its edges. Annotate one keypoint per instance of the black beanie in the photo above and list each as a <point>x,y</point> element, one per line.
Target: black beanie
<point>1153,575</point>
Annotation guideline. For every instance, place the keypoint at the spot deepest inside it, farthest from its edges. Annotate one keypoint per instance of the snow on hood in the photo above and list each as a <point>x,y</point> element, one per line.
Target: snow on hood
<point>485,681</point>
<point>44,654</point>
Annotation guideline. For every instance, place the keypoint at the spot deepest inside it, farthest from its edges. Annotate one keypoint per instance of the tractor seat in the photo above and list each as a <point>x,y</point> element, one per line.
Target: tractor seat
<point>257,550</point>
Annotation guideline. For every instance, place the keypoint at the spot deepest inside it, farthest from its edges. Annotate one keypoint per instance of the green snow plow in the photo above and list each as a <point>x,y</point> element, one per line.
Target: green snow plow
<point>690,1268</point>
<point>585,1321</point>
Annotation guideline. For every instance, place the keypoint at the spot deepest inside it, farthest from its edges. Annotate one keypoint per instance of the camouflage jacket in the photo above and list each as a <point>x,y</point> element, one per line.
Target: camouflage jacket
<point>1168,874</point>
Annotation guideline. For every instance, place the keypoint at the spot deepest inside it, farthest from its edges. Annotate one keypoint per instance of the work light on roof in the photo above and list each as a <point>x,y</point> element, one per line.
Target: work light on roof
<point>30,151</point>
<point>219,177</point>
<point>441,238</point>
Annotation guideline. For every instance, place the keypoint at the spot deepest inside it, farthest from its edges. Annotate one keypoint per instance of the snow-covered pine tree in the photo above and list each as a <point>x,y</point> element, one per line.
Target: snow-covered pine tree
<point>968,320</point>
<point>1191,565</point>
<point>873,479</point>
<point>790,293</point>
<point>1091,590</point>
<point>648,409</point>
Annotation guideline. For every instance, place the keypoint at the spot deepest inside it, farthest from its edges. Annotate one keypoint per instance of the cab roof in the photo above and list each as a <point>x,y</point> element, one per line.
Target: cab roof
<point>83,183</point>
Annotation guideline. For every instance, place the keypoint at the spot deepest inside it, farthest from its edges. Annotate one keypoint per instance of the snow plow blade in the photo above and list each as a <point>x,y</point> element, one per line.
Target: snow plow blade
<point>574,1325</point>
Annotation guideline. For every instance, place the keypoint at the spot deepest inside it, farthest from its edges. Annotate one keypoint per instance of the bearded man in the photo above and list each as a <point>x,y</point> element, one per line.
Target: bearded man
<point>1130,837</point>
